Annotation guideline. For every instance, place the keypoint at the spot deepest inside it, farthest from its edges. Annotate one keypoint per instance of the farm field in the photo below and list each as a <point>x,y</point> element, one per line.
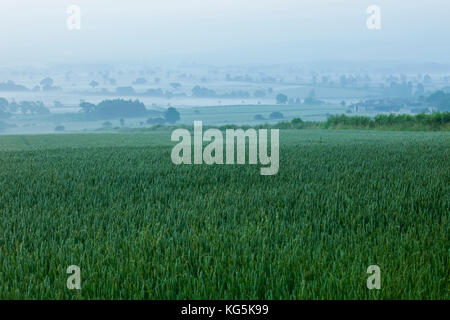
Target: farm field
<point>210,115</point>
<point>141,227</point>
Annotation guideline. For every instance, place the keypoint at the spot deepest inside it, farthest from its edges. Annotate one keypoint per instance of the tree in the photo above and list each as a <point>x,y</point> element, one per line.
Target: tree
<point>122,122</point>
<point>201,92</point>
<point>94,84</point>
<point>60,128</point>
<point>282,98</point>
<point>172,115</point>
<point>276,115</point>
<point>87,107</point>
<point>118,108</point>
<point>47,82</point>
<point>11,86</point>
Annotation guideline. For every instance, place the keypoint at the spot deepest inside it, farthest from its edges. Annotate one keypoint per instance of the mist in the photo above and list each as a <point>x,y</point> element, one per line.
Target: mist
<point>221,62</point>
<point>222,31</point>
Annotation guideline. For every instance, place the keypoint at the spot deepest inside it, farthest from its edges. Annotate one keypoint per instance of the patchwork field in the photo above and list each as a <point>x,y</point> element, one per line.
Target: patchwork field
<point>141,227</point>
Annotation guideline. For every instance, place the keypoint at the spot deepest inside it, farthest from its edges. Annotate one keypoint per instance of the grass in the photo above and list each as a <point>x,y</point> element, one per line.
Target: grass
<point>140,227</point>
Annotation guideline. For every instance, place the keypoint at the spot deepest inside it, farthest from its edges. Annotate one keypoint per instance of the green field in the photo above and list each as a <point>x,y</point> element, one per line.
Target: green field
<point>140,227</point>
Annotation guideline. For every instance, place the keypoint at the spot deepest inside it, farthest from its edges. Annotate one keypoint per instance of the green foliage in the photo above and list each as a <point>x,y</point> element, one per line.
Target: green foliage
<point>172,115</point>
<point>441,99</point>
<point>112,109</point>
<point>434,121</point>
<point>141,227</point>
<point>201,92</point>
<point>276,115</point>
<point>282,98</point>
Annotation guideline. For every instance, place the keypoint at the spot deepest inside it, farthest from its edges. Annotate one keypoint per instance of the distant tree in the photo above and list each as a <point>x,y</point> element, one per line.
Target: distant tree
<point>276,115</point>
<point>32,107</point>
<point>201,92</point>
<point>240,94</point>
<point>157,80</point>
<point>87,107</point>
<point>343,103</point>
<point>94,84</point>
<point>437,96</point>
<point>119,108</point>
<point>281,98</point>
<point>259,117</point>
<point>122,122</point>
<point>297,121</point>
<point>112,81</point>
<point>47,82</point>
<point>11,86</point>
<point>107,124</point>
<point>60,128</point>
<point>172,115</point>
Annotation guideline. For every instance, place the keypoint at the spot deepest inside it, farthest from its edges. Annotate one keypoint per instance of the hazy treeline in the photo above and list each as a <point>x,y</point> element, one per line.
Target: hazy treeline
<point>421,122</point>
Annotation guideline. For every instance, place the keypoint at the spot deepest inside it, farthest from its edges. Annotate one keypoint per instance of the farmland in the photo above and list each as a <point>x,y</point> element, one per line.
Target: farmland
<point>140,227</point>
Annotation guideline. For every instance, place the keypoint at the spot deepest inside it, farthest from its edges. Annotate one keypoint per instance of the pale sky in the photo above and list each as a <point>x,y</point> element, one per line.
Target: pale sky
<point>223,31</point>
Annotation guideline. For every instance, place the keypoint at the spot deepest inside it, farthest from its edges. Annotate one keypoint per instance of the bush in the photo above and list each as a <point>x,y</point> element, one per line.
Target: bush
<point>421,121</point>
